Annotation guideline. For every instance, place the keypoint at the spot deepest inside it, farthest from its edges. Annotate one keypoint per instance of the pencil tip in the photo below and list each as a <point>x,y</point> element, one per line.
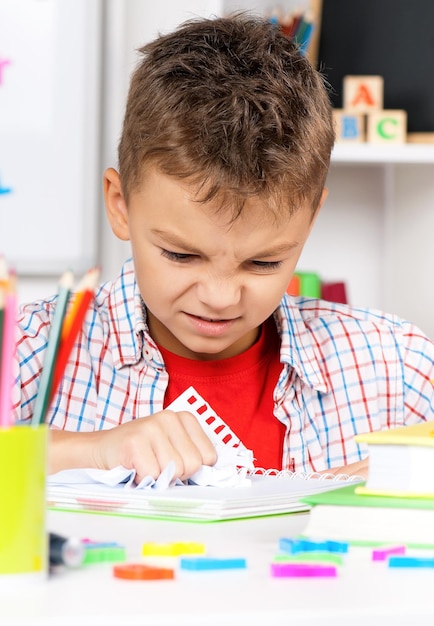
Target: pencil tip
<point>3,269</point>
<point>67,279</point>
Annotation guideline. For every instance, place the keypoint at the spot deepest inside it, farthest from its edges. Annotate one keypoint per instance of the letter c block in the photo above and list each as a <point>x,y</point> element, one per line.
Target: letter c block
<point>387,126</point>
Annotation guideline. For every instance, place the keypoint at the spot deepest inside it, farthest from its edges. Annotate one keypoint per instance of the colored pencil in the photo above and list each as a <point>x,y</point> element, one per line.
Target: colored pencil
<point>4,281</point>
<point>73,323</point>
<point>2,316</point>
<point>44,392</point>
<point>305,34</point>
<point>295,24</point>
<point>8,350</point>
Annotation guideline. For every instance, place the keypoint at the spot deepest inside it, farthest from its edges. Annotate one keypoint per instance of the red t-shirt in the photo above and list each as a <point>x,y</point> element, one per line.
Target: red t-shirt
<point>240,390</point>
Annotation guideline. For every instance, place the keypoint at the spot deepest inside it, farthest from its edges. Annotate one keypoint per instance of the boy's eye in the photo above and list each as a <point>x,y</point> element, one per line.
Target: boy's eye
<point>184,257</point>
<point>267,265</point>
<point>178,257</point>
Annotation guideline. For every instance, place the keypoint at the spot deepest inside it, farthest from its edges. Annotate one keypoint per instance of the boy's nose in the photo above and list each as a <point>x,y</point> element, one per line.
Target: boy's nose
<point>219,293</point>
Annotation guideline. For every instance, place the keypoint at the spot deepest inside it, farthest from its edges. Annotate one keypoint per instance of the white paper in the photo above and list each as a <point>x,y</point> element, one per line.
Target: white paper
<point>230,470</point>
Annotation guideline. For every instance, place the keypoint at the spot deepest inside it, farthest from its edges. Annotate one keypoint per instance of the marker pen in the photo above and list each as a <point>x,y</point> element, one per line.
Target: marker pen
<point>68,551</point>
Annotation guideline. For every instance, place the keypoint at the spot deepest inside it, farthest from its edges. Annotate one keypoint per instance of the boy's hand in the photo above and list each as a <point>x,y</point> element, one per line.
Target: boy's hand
<point>359,468</point>
<point>148,445</point>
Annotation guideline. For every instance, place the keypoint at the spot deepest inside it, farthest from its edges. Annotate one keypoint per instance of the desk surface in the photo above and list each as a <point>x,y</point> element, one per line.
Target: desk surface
<point>364,592</point>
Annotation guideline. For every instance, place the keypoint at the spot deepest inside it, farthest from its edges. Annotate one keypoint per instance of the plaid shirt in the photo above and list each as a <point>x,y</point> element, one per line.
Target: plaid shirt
<point>344,371</point>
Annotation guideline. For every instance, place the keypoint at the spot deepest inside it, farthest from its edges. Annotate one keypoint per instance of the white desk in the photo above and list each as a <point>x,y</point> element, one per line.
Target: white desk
<point>365,593</point>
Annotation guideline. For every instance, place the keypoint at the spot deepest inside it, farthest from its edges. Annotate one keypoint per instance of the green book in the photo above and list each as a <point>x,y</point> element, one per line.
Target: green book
<point>348,496</point>
<point>344,515</point>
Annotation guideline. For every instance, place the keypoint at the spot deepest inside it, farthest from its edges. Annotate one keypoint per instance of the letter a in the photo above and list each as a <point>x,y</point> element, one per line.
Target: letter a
<point>363,96</point>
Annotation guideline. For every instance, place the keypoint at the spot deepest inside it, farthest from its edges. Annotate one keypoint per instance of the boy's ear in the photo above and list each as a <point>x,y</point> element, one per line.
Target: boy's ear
<point>115,205</point>
<point>324,194</point>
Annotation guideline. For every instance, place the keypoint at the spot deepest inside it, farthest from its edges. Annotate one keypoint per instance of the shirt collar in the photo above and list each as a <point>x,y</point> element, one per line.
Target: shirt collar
<point>127,321</point>
<point>297,344</point>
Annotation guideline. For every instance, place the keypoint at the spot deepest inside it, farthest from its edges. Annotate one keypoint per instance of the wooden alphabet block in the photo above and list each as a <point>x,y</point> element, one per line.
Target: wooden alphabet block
<point>363,94</point>
<point>349,127</point>
<point>387,126</point>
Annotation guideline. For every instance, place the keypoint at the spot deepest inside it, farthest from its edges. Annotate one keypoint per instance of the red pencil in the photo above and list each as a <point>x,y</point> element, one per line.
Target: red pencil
<point>295,25</point>
<point>73,323</point>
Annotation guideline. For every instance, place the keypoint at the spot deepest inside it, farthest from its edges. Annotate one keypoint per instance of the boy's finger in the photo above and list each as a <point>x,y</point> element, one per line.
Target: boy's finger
<point>181,451</point>
<point>147,465</point>
<point>199,438</point>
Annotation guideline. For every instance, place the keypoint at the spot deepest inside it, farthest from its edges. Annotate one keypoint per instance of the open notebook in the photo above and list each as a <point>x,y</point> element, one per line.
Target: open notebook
<point>262,495</point>
<point>231,489</point>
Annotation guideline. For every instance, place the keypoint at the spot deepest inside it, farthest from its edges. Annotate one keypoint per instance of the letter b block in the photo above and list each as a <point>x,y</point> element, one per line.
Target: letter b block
<point>350,127</point>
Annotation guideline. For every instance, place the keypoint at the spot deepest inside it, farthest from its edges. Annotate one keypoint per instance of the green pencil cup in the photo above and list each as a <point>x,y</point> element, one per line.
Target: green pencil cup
<point>23,536</point>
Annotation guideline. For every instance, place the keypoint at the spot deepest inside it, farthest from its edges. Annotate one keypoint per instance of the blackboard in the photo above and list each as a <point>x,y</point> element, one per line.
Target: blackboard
<point>391,38</point>
<point>50,85</point>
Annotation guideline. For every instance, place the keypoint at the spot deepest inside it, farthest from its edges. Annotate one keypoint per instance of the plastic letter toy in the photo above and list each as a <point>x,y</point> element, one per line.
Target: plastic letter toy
<point>304,545</point>
<point>310,557</point>
<point>205,563</point>
<point>410,561</point>
<point>302,570</point>
<point>172,549</point>
<point>382,554</point>
<point>103,552</point>
<point>138,571</point>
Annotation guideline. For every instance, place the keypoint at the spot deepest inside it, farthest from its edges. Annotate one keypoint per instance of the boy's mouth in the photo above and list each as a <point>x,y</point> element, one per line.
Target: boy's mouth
<point>211,326</point>
<point>210,319</point>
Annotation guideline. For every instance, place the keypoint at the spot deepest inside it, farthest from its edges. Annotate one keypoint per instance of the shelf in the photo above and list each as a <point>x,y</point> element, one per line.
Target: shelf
<point>407,153</point>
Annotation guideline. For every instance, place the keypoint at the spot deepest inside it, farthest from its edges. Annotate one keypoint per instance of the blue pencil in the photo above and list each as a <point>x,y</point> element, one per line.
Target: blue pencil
<point>306,37</point>
<point>44,391</point>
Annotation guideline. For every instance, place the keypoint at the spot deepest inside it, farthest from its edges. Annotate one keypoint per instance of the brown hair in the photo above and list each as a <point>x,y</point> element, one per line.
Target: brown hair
<point>231,105</point>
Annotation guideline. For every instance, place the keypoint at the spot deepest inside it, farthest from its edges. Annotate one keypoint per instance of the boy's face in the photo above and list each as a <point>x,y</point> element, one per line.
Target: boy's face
<point>208,284</point>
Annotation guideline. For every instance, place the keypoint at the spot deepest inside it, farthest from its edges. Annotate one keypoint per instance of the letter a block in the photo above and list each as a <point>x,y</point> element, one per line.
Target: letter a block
<point>387,126</point>
<point>349,127</point>
<point>363,94</point>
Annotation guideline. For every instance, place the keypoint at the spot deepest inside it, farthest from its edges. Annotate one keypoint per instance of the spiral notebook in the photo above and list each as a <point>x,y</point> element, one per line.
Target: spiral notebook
<point>264,493</point>
<point>232,489</point>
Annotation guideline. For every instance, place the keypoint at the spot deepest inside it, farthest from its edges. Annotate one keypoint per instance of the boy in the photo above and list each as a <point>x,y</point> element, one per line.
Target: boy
<point>223,159</point>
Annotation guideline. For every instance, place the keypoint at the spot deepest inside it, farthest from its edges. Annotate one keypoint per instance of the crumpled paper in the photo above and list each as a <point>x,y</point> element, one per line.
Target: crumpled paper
<point>231,469</point>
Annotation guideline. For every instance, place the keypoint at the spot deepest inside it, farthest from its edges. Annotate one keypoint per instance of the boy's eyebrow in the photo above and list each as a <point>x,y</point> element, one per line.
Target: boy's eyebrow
<point>280,249</point>
<point>174,240</point>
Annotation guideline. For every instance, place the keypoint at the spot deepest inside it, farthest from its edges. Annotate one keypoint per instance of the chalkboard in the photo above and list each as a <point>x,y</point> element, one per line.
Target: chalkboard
<point>50,54</point>
<point>392,38</point>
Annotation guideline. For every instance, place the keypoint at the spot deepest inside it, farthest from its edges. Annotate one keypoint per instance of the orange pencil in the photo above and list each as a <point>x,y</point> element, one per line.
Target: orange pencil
<point>87,283</point>
<point>73,323</point>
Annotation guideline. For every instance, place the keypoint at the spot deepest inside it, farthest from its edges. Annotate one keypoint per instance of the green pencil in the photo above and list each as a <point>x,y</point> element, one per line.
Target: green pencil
<point>43,397</point>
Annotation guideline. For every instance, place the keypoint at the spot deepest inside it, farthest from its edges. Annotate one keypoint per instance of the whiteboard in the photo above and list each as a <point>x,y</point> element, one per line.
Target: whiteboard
<point>50,83</point>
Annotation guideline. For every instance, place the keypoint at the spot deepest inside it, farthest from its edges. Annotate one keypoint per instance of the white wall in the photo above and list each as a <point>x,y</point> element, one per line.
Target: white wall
<point>347,239</point>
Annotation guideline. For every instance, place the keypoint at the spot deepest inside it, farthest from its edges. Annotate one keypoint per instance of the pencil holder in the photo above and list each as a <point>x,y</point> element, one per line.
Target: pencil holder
<point>23,537</point>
